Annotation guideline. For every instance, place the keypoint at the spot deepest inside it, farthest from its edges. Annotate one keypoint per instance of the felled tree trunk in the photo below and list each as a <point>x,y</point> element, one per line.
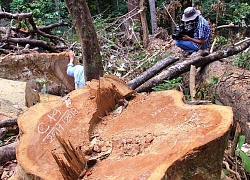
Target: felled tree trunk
<point>231,90</point>
<point>48,66</point>
<point>152,136</point>
<point>198,61</point>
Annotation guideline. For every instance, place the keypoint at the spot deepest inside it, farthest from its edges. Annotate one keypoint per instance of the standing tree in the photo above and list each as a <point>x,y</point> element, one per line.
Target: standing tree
<point>82,21</point>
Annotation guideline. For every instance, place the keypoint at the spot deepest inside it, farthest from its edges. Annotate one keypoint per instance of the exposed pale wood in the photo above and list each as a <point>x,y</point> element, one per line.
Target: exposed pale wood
<point>16,97</point>
<point>192,82</point>
<point>171,136</point>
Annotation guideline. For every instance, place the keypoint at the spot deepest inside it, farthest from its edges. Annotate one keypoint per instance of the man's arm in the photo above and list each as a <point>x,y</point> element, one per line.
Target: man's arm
<point>198,41</point>
<point>71,57</point>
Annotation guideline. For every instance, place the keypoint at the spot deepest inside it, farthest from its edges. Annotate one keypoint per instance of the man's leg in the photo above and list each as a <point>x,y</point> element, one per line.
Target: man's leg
<point>187,46</point>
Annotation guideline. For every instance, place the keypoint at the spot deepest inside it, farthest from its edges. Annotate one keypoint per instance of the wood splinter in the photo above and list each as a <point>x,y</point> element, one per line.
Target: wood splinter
<point>73,164</point>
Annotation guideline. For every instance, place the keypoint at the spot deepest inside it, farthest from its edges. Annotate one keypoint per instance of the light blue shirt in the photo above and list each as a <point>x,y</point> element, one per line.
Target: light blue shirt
<point>77,72</point>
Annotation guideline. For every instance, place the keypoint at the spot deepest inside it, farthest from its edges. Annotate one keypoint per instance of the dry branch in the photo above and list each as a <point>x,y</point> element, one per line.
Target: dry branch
<point>149,73</point>
<point>20,36</point>
<point>8,153</point>
<point>17,16</point>
<point>8,122</point>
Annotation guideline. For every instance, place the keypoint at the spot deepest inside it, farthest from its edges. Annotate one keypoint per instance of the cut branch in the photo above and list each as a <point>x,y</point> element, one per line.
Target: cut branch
<point>32,42</point>
<point>8,153</point>
<point>16,16</point>
<point>149,73</point>
<point>8,122</point>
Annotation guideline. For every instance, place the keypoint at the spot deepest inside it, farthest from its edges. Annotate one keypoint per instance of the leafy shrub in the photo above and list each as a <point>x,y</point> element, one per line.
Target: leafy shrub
<point>245,159</point>
<point>44,11</point>
<point>242,60</point>
<point>168,84</point>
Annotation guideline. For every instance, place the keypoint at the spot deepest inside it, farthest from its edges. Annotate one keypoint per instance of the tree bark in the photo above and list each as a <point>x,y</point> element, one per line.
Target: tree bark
<point>231,90</point>
<point>152,71</point>
<point>8,153</point>
<point>8,122</point>
<point>198,61</point>
<point>22,37</point>
<point>153,15</point>
<point>29,67</point>
<point>144,24</point>
<point>81,19</point>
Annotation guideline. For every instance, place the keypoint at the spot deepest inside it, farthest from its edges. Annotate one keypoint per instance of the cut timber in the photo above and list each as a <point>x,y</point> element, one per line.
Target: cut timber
<point>29,67</point>
<point>155,136</point>
<point>15,97</point>
<point>231,90</point>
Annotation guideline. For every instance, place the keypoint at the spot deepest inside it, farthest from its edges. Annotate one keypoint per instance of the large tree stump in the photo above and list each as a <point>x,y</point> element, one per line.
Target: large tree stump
<point>28,67</point>
<point>155,136</point>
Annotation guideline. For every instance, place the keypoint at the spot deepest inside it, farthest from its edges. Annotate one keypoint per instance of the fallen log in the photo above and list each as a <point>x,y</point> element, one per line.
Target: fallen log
<point>29,67</point>
<point>33,42</point>
<point>8,153</point>
<point>198,61</point>
<point>156,136</point>
<point>152,71</point>
<point>231,90</point>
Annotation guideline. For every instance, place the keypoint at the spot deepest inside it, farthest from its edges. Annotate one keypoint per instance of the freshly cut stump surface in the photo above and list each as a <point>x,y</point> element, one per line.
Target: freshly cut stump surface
<point>155,136</point>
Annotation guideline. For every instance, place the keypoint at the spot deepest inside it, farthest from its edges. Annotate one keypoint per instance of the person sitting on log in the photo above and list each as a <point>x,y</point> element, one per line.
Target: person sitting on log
<point>200,32</point>
<point>76,71</point>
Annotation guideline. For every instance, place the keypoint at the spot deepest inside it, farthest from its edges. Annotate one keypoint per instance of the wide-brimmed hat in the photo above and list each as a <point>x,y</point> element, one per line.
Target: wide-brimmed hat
<point>190,14</point>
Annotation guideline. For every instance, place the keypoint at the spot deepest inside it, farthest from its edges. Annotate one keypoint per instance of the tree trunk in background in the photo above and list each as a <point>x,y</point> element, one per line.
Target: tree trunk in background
<point>81,19</point>
<point>97,6</point>
<point>144,24</point>
<point>153,15</point>
<point>132,20</point>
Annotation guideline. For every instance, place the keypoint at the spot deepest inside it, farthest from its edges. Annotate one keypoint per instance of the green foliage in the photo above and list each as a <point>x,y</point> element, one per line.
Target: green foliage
<point>168,84</point>
<point>221,41</point>
<point>204,91</point>
<point>245,159</point>
<point>241,13</point>
<point>242,60</point>
<point>44,11</point>
<point>236,12</point>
